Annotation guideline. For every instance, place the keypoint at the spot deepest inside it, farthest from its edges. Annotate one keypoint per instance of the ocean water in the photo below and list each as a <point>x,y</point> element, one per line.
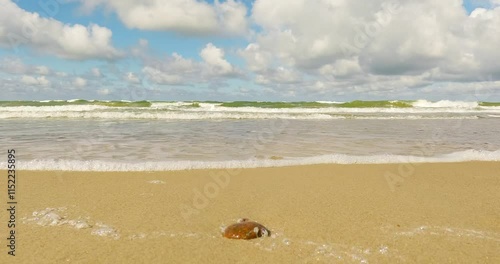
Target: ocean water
<point>102,135</point>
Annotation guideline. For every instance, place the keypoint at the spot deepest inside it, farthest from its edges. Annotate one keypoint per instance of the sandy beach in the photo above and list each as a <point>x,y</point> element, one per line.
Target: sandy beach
<point>345,131</point>
<point>430,213</point>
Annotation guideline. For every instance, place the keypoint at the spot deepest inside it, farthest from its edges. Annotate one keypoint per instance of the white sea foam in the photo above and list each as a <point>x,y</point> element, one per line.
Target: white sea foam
<point>105,231</point>
<point>56,217</point>
<point>60,217</point>
<point>48,217</point>
<point>329,102</point>
<point>451,232</point>
<point>52,109</point>
<point>213,113</point>
<point>421,109</point>
<point>446,104</point>
<point>156,182</point>
<point>95,165</point>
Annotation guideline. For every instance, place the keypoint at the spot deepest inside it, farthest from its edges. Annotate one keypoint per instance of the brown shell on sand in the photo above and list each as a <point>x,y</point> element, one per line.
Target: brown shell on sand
<point>246,229</point>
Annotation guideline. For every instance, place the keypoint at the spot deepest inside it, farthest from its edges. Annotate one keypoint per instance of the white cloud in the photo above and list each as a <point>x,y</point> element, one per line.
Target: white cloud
<point>96,72</point>
<point>49,36</point>
<point>310,34</point>
<point>257,59</point>
<point>104,91</point>
<point>79,82</point>
<point>43,81</point>
<point>189,16</point>
<point>177,70</point>
<point>42,70</point>
<point>341,68</point>
<point>339,46</point>
<point>232,16</point>
<point>279,76</point>
<point>184,16</point>
<point>327,47</point>
<point>178,63</point>
<point>15,65</point>
<point>214,59</point>
<point>162,77</point>
<point>61,74</point>
<point>131,78</point>
<point>30,80</point>
<point>143,43</point>
<point>174,69</point>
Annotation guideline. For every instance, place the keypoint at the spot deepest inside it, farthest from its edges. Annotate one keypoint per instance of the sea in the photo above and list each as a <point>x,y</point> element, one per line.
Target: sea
<point>91,135</point>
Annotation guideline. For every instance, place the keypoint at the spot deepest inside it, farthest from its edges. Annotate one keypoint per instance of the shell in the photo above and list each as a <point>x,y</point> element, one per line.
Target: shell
<point>246,229</point>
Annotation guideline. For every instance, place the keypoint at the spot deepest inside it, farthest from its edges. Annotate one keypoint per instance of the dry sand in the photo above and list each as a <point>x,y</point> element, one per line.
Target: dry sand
<point>436,213</point>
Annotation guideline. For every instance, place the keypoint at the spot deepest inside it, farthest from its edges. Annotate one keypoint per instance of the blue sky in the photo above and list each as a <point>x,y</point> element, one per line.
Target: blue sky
<point>250,50</point>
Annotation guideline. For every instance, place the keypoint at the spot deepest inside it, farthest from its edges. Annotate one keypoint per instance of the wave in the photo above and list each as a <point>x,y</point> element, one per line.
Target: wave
<point>320,104</point>
<point>96,165</point>
<point>160,115</point>
<point>75,102</point>
<point>259,104</point>
<point>355,104</point>
<point>446,104</point>
<point>278,105</point>
<point>191,110</point>
<point>96,113</point>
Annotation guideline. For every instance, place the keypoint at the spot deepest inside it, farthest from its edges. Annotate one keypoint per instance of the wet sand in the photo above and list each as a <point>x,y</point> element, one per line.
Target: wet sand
<point>387,213</point>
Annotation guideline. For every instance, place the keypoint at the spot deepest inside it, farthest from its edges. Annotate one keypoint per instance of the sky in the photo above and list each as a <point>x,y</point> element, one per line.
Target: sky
<point>261,50</point>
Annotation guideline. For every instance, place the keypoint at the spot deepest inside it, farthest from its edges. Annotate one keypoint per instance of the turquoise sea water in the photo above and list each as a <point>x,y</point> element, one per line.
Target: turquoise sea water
<point>97,135</point>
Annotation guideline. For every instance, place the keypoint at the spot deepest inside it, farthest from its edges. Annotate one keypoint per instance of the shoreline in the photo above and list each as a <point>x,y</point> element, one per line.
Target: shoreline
<point>324,213</point>
<point>466,156</point>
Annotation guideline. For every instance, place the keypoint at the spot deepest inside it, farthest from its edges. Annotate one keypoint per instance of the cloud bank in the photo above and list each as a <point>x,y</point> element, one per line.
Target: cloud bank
<point>190,17</point>
<point>288,50</point>
<point>47,36</point>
